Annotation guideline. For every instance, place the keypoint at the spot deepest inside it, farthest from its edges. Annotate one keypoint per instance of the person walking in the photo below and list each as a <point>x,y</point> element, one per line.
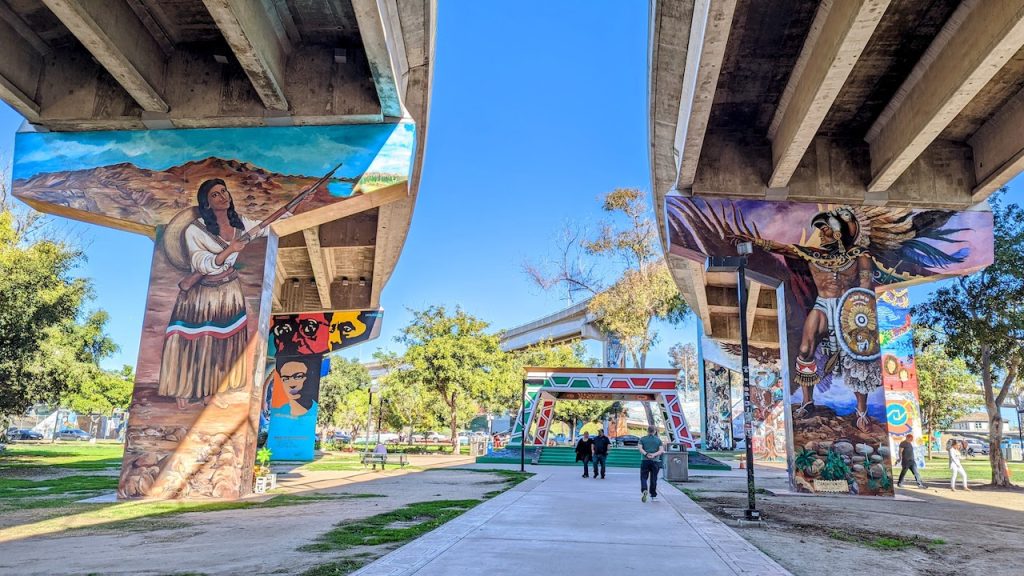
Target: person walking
<point>584,453</point>
<point>601,443</point>
<point>955,467</point>
<point>651,450</point>
<point>908,461</point>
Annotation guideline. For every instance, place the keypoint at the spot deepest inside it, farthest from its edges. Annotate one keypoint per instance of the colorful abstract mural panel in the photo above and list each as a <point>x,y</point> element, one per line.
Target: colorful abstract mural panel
<point>829,267</point>
<point>297,359</point>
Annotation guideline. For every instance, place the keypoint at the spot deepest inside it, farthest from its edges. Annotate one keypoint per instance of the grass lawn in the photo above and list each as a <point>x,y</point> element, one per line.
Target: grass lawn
<point>390,530</point>
<point>978,469</point>
<point>73,456</point>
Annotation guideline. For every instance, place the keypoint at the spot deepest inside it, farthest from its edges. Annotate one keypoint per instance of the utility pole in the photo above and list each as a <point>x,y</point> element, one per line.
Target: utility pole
<point>738,264</point>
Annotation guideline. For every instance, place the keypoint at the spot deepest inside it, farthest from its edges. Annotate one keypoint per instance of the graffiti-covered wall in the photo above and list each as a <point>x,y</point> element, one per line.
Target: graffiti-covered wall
<point>766,395</point>
<point>899,372</point>
<point>830,259</point>
<point>205,197</point>
<point>297,360</point>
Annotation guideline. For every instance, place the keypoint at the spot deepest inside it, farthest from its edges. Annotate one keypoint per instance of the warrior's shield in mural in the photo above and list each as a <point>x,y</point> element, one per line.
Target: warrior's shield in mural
<point>208,198</point>
<point>828,270</point>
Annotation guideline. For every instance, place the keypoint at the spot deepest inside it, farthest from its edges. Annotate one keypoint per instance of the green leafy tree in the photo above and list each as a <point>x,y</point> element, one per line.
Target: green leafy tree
<point>352,411</point>
<point>346,375</point>
<point>981,319</point>
<point>102,391</point>
<point>947,389</point>
<point>453,357</point>
<point>39,299</point>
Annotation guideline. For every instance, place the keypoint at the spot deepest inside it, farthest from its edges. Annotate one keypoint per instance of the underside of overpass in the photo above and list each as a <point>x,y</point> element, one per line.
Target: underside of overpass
<point>837,137</point>
<point>273,151</point>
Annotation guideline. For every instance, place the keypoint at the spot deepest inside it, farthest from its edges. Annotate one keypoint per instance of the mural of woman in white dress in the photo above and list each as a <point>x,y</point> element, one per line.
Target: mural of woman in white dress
<point>203,351</point>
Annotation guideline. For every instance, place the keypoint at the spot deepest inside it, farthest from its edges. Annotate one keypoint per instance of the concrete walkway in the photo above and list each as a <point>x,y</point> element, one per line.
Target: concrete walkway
<point>559,523</point>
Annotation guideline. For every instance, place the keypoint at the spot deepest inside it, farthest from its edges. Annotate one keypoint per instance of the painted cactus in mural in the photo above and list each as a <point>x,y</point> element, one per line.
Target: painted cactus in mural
<point>829,267</point>
<point>296,361</point>
<point>203,195</point>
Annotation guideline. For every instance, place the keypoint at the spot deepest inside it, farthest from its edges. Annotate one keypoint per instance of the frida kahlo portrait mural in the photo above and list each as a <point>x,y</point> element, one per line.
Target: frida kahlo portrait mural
<point>296,361</point>
<point>828,268</point>
<point>208,197</point>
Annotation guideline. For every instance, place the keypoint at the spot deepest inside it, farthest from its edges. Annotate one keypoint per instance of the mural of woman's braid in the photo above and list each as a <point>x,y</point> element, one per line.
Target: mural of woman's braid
<point>830,260</point>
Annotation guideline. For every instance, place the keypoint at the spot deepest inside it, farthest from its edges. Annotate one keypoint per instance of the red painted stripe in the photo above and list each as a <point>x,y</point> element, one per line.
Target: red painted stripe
<point>620,384</point>
<point>640,382</point>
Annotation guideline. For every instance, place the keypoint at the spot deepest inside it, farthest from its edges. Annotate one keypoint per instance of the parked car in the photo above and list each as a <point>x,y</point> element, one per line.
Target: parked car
<point>977,447</point>
<point>628,440</point>
<point>73,434</point>
<point>435,437</point>
<point>342,437</point>
<point>25,434</point>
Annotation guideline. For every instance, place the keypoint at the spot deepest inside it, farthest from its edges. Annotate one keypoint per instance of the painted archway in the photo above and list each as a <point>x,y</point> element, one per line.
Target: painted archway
<point>545,386</point>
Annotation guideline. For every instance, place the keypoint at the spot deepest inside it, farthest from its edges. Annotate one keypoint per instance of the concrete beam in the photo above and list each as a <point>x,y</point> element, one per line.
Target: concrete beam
<point>839,33</point>
<point>709,34</point>
<point>20,70</point>
<point>381,51</point>
<point>119,41</point>
<point>341,209</point>
<point>753,293</point>
<point>250,32</point>
<point>971,48</point>
<point>998,148</point>
<point>316,262</point>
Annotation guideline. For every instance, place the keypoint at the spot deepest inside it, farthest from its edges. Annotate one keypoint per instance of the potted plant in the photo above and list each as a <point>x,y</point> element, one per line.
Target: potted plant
<point>264,479</point>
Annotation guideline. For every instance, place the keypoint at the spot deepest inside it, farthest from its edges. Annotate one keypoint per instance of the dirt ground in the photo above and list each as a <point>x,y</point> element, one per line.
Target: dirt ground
<point>943,533</point>
<point>244,541</point>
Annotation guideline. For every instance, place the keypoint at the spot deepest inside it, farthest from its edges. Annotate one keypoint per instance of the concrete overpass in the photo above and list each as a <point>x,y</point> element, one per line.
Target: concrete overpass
<point>835,137</point>
<point>191,122</point>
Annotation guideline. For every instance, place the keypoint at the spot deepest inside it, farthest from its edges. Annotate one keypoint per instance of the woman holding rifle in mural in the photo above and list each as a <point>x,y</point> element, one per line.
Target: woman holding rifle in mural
<point>207,332</point>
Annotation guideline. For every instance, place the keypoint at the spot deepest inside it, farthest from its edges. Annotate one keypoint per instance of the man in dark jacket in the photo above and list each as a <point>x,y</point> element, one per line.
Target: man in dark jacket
<point>584,452</point>
<point>909,461</point>
<point>601,444</point>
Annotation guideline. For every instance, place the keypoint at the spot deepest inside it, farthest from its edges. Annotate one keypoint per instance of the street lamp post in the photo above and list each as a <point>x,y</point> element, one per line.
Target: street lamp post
<point>374,387</point>
<point>738,264</point>
<point>522,429</point>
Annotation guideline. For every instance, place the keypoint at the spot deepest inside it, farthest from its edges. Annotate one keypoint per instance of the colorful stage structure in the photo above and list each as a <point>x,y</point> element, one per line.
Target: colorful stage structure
<point>853,145</point>
<point>272,150</point>
<point>546,386</point>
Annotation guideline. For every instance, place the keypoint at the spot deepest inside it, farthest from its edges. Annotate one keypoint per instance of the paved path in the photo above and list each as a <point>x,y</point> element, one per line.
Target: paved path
<point>559,523</point>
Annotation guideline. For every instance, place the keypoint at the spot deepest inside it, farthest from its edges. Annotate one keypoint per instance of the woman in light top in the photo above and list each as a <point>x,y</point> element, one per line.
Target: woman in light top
<point>204,345</point>
<point>955,467</point>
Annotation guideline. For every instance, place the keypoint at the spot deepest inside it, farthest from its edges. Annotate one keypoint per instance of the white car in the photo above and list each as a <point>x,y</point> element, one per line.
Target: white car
<point>435,437</point>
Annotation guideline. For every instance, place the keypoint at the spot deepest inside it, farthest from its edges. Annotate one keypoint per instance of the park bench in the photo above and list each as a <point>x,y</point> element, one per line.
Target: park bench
<point>382,459</point>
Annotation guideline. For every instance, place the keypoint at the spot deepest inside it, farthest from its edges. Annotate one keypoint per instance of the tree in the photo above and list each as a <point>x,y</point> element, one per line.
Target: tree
<point>946,388</point>
<point>644,290</point>
<point>39,300</point>
<point>345,376</point>
<point>683,357</point>
<point>981,319</point>
<point>102,391</point>
<point>453,357</point>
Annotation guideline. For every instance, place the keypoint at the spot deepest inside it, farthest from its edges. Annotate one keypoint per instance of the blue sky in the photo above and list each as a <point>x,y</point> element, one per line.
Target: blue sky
<point>535,113</point>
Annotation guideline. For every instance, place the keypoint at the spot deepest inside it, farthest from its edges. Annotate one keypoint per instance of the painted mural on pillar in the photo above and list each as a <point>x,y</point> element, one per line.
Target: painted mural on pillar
<point>296,360</point>
<point>206,197</point>
<point>767,395</point>
<point>718,412</point>
<point>830,266</point>
<point>899,372</point>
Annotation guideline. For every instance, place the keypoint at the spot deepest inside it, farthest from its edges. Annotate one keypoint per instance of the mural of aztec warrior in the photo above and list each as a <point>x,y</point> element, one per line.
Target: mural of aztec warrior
<point>830,268</point>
